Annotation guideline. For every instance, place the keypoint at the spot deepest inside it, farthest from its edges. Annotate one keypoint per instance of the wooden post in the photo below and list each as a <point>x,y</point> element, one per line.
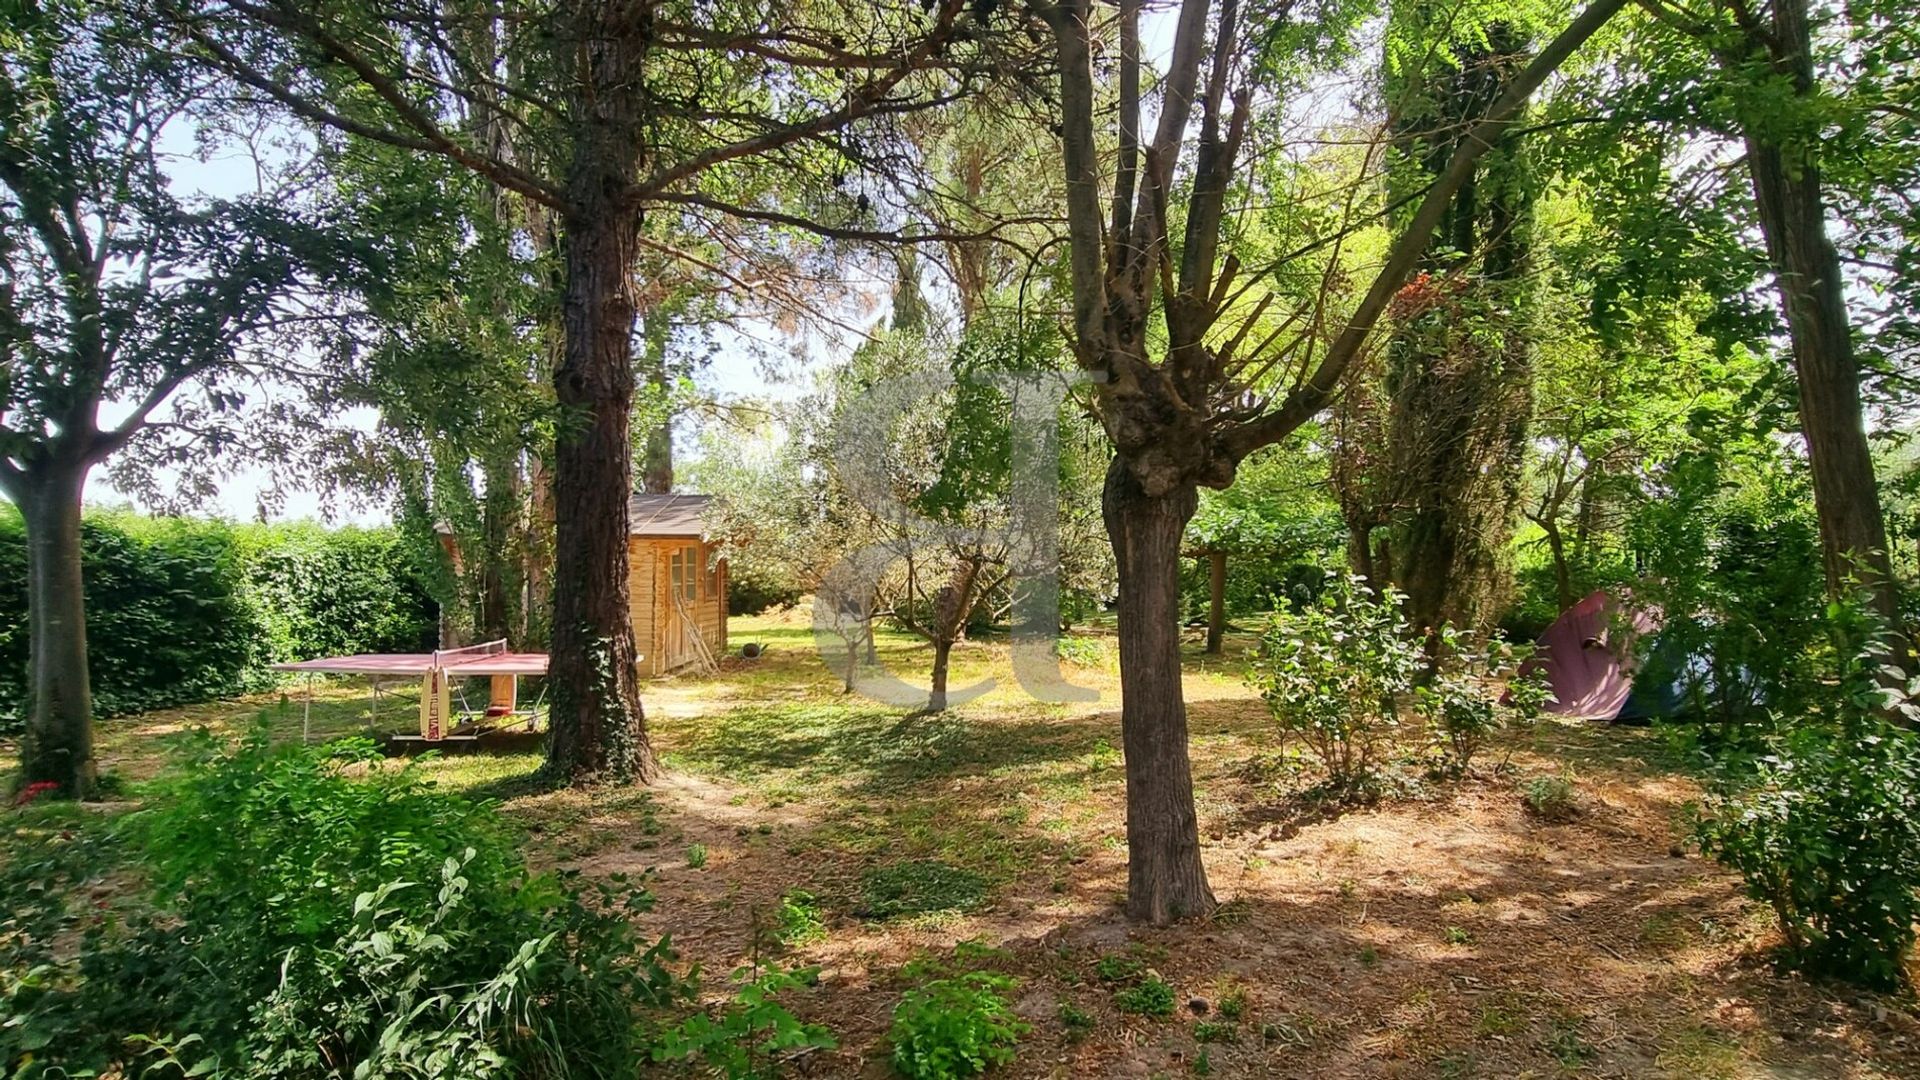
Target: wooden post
<point>503,695</point>
<point>1217,614</point>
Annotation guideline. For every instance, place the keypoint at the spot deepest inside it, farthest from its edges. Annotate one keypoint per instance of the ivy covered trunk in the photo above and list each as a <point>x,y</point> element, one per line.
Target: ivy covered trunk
<point>598,728</point>
<point>1793,219</point>
<point>57,746</point>
<point>1460,362</point>
<point>1165,878</point>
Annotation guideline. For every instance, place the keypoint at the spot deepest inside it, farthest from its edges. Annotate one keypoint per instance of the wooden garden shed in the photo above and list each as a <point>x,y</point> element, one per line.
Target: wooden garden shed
<point>678,583</point>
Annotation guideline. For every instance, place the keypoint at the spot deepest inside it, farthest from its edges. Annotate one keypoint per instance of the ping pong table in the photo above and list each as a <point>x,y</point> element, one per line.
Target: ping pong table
<point>436,671</point>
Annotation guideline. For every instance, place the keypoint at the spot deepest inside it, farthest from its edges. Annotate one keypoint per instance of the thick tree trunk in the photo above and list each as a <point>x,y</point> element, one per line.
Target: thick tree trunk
<point>1216,601</point>
<point>1793,219</point>
<point>951,607</point>
<point>656,471</point>
<point>1165,878</point>
<point>57,746</point>
<point>598,728</point>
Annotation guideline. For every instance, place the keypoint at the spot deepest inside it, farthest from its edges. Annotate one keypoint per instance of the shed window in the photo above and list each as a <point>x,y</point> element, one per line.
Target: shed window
<point>690,560</point>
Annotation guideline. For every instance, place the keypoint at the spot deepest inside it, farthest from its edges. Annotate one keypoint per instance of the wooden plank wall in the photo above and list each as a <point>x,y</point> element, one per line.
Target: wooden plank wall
<point>649,582</point>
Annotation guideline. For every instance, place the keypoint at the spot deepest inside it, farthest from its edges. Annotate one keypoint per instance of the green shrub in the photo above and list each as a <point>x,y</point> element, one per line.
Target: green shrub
<point>744,1038</point>
<point>957,1027</point>
<point>310,910</point>
<point>181,610</point>
<point>1458,701</point>
<point>798,920</point>
<point>316,591</point>
<point>1550,797</point>
<point>1732,556</point>
<point>1333,673</point>
<point>1828,836</point>
<point>920,886</point>
<point>1149,997</point>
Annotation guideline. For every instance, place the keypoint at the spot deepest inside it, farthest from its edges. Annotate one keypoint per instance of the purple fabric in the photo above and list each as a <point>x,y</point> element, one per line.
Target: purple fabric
<point>1588,657</point>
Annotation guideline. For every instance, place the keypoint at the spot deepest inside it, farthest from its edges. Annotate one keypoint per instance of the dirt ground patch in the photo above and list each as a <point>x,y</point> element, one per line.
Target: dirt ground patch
<point>1450,933</point>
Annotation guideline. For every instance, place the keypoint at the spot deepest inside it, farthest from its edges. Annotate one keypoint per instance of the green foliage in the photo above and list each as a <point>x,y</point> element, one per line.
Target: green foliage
<point>797,921</point>
<point>1550,797</point>
<point>1458,703</point>
<point>1116,968</point>
<point>1828,835</point>
<point>696,856</point>
<point>1151,996</point>
<point>744,1038</point>
<point>293,911</point>
<point>1074,1020</point>
<point>181,610</point>
<point>1333,674</point>
<point>919,886</point>
<point>316,591</point>
<point>955,1027</point>
<point>1733,560</point>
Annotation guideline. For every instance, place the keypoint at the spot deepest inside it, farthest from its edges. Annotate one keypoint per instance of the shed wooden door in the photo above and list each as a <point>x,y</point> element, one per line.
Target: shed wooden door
<point>677,607</point>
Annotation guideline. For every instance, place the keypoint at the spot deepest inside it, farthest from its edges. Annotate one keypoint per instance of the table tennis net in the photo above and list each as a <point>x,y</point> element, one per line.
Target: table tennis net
<point>447,658</point>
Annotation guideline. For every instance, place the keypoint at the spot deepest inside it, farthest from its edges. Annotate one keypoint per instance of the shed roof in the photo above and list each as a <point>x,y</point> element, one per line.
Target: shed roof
<point>667,515</point>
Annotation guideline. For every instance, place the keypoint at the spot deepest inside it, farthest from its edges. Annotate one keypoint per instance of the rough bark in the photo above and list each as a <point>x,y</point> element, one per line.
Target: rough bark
<point>598,727</point>
<point>57,746</point>
<point>1460,395</point>
<point>656,470</point>
<point>1216,602</point>
<point>1187,416</point>
<point>1165,878</point>
<point>1793,220</point>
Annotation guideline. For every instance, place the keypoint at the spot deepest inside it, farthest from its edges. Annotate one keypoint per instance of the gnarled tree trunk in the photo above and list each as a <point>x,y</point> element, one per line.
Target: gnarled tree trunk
<point>1165,877</point>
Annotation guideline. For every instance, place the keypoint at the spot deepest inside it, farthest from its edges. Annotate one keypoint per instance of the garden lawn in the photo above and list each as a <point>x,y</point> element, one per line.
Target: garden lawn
<point>1452,931</point>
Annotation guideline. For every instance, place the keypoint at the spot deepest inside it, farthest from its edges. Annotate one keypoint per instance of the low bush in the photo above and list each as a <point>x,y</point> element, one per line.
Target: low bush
<point>956,1027</point>
<point>744,1038</point>
<point>1827,831</point>
<point>1151,996</point>
<point>1333,673</point>
<point>1459,706</point>
<point>1551,798</point>
<point>1829,838</point>
<point>314,912</point>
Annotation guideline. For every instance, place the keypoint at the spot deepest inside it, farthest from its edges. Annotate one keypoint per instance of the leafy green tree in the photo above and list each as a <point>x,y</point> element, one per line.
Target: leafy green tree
<point>121,297</point>
<point>628,110</point>
<point>1194,373</point>
<point>1778,87</point>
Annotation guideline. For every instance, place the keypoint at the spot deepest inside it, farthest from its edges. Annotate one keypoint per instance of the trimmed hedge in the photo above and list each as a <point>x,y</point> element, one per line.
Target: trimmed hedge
<point>181,610</point>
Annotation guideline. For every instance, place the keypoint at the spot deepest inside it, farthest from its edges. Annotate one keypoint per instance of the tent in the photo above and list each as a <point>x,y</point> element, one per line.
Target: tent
<point>1588,655</point>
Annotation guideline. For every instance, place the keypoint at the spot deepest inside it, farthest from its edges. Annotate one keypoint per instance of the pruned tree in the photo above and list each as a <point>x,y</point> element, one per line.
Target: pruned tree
<point>1185,402</point>
<point>119,297</point>
<point>628,108</point>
